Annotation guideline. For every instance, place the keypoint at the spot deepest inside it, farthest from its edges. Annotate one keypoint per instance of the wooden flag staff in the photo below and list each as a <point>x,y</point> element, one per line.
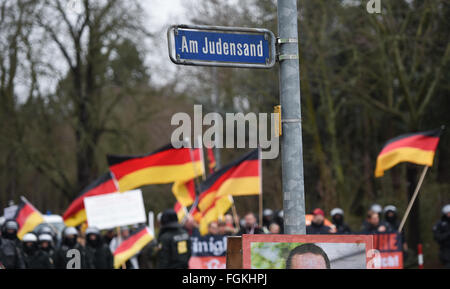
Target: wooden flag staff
<point>411,202</point>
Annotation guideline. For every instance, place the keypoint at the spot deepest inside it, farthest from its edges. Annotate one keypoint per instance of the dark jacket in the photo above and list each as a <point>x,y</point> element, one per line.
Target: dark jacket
<point>10,255</point>
<point>315,229</point>
<point>174,247</point>
<point>441,233</point>
<point>100,256</point>
<point>343,228</point>
<point>368,229</point>
<point>40,259</point>
<point>61,259</point>
<point>245,230</point>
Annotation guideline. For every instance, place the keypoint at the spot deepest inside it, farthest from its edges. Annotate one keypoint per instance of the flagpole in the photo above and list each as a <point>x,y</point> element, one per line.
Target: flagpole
<point>260,188</point>
<point>235,216</point>
<point>119,240</point>
<point>411,202</point>
<point>196,184</point>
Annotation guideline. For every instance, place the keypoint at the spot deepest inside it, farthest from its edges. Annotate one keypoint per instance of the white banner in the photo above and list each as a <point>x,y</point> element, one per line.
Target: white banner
<point>9,212</point>
<point>115,209</point>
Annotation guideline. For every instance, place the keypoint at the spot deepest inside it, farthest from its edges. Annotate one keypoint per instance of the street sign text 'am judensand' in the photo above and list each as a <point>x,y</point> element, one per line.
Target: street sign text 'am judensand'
<point>221,46</point>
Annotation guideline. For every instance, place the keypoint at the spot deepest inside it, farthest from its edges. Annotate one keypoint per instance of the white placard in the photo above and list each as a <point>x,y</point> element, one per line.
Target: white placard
<point>115,209</point>
<point>9,212</point>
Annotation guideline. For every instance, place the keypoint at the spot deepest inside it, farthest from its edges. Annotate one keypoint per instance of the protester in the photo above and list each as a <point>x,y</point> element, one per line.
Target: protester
<point>337,218</point>
<point>441,233</point>
<point>230,224</point>
<point>213,229</point>
<point>191,226</point>
<point>317,224</point>
<point>97,252</point>
<point>174,244</point>
<point>69,242</point>
<point>34,257</point>
<point>108,236</point>
<point>373,225</point>
<point>279,219</point>
<point>133,262</point>
<point>224,230</point>
<point>274,228</point>
<point>250,225</point>
<point>267,220</point>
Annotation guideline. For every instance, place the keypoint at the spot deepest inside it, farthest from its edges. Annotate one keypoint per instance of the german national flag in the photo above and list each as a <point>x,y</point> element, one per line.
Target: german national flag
<point>418,148</point>
<point>130,246</point>
<point>184,192</point>
<point>216,210</point>
<point>28,217</point>
<point>166,165</point>
<point>180,210</point>
<point>240,178</point>
<point>75,214</point>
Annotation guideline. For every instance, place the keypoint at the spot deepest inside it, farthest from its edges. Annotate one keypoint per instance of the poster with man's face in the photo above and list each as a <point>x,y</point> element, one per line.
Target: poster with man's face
<point>308,251</point>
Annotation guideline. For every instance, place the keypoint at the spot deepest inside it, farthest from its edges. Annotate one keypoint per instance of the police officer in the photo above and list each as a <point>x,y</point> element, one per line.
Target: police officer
<point>46,244</point>
<point>69,242</point>
<point>97,252</point>
<point>9,231</point>
<point>337,218</point>
<point>267,220</point>
<point>390,216</point>
<point>34,257</point>
<point>173,243</point>
<point>10,256</point>
<point>441,232</point>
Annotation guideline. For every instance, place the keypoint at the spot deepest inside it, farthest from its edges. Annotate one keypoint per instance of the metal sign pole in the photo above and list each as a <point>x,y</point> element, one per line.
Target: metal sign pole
<point>291,143</point>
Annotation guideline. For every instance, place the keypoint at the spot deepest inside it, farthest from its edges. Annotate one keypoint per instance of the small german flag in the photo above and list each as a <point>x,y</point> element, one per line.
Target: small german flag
<point>28,217</point>
<point>184,192</point>
<point>239,178</point>
<point>166,165</point>
<point>130,246</point>
<point>75,214</point>
<point>180,210</point>
<point>217,210</point>
<point>418,148</point>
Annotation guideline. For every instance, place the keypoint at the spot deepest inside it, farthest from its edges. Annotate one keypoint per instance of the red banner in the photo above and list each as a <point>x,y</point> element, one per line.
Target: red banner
<point>208,262</point>
<point>390,247</point>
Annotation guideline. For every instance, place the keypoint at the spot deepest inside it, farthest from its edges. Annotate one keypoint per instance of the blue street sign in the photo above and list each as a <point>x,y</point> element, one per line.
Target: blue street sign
<point>221,46</point>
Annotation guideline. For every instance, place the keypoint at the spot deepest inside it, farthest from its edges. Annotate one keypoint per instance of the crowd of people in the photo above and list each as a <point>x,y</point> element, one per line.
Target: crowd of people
<point>44,249</point>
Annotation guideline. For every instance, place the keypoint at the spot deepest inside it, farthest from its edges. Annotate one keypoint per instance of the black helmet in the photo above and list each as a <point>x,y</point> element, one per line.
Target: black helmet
<point>169,216</point>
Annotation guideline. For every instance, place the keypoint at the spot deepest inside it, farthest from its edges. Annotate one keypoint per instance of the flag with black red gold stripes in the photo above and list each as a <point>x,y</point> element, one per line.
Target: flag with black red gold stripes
<point>418,148</point>
<point>166,165</point>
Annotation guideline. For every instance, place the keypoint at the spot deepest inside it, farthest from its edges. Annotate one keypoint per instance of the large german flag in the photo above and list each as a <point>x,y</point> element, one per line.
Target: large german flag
<point>130,246</point>
<point>184,192</point>
<point>239,178</point>
<point>166,165</point>
<point>28,217</point>
<point>418,148</point>
<point>75,214</point>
